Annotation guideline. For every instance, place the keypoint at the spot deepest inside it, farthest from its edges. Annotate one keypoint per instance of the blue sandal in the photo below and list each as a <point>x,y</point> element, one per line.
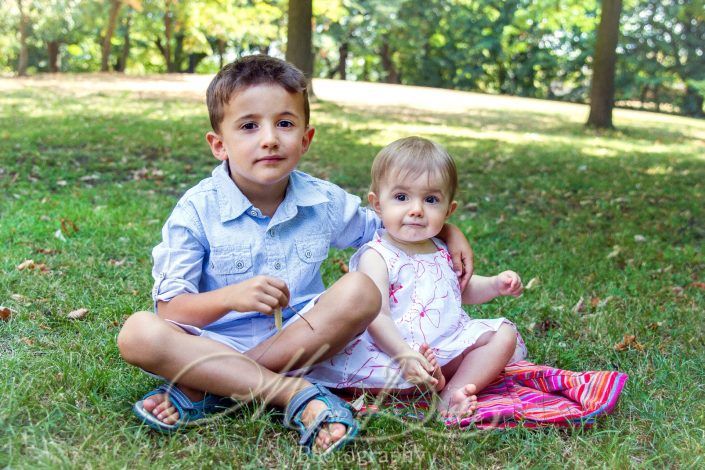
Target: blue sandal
<point>338,412</point>
<point>189,411</point>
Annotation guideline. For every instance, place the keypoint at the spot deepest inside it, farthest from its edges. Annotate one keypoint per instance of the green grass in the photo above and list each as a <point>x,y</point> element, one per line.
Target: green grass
<point>553,201</point>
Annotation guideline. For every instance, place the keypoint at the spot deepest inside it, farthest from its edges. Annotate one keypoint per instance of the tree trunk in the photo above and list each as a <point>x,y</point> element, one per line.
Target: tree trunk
<point>602,89</point>
<point>692,103</point>
<point>177,65</point>
<point>343,52</point>
<point>220,44</point>
<point>125,54</point>
<point>387,63</point>
<point>194,60</point>
<point>112,21</point>
<point>24,52</point>
<point>299,41</point>
<point>168,28</point>
<point>53,53</point>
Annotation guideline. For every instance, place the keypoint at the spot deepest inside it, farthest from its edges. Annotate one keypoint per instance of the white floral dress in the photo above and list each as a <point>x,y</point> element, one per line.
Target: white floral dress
<point>425,304</point>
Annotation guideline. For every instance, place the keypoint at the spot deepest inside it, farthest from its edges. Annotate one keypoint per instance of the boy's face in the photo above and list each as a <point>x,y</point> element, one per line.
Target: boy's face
<point>413,208</point>
<point>263,136</point>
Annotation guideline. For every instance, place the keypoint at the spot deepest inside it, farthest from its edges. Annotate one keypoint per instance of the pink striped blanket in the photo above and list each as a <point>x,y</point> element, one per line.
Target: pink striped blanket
<point>532,395</point>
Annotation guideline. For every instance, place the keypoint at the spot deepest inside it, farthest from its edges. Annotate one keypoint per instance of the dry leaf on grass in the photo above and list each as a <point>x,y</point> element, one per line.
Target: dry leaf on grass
<point>46,251</point>
<point>697,285</point>
<point>117,262</point>
<point>580,306</point>
<point>77,314</point>
<point>30,265</point>
<point>532,283</point>
<point>629,342</point>
<point>27,341</point>
<point>6,313</point>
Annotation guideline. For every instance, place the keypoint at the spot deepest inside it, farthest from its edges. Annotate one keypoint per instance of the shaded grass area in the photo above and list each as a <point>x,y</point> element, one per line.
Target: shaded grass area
<point>614,218</point>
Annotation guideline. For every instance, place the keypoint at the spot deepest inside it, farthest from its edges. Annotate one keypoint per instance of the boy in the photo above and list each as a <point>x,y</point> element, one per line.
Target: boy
<point>233,248</point>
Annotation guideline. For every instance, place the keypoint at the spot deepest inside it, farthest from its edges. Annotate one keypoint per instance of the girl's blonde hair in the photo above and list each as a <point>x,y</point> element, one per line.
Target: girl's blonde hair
<point>414,156</point>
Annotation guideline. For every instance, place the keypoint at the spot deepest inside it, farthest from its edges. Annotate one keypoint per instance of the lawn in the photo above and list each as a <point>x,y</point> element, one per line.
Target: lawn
<point>616,219</point>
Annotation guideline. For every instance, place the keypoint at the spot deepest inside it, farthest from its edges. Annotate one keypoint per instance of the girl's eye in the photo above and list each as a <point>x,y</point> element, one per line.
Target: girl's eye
<point>286,124</point>
<point>432,200</point>
<point>400,197</point>
<point>249,126</point>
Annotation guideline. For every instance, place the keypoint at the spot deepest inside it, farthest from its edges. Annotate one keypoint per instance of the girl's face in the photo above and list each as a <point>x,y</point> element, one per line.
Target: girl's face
<point>413,208</point>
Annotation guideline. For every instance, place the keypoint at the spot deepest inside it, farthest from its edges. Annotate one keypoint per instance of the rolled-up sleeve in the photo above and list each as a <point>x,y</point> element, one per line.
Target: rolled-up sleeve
<point>178,259</point>
<point>353,225</point>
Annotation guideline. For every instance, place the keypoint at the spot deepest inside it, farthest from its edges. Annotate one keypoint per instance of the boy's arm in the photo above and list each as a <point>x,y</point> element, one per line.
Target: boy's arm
<point>262,294</point>
<point>460,252</point>
<point>482,289</point>
<point>383,330</point>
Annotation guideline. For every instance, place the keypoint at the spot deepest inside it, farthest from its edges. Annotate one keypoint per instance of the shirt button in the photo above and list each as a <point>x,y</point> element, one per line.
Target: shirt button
<point>270,232</point>
<point>307,254</point>
<point>239,265</point>
<point>277,265</point>
<point>253,212</point>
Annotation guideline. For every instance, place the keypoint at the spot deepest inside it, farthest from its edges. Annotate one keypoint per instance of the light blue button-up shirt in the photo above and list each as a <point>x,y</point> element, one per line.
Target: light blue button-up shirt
<point>215,237</point>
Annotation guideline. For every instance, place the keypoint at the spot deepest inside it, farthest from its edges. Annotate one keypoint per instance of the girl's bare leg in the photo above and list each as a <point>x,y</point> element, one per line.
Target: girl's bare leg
<point>475,369</point>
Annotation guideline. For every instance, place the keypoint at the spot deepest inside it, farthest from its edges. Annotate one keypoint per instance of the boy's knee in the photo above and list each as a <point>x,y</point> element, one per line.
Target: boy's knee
<point>136,336</point>
<point>362,293</point>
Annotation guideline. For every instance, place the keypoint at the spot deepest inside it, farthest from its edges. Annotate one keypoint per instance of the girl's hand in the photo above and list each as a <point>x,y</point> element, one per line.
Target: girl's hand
<point>416,369</point>
<point>509,283</point>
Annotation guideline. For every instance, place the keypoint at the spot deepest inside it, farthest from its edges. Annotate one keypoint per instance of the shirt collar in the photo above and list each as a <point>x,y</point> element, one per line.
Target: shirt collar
<point>232,203</point>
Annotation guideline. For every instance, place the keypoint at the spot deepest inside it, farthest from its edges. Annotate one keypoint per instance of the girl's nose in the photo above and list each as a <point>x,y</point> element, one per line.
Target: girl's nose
<point>416,209</point>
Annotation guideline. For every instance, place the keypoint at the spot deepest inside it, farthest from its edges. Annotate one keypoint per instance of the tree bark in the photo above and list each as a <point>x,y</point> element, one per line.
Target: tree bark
<point>343,52</point>
<point>299,41</point>
<point>125,54</point>
<point>24,52</point>
<point>692,103</point>
<point>168,28</point>
<point>112,21</point>
<point>385,54</point>
<point>53,54</point>
<point>221,52</point>
<point>603,69</point>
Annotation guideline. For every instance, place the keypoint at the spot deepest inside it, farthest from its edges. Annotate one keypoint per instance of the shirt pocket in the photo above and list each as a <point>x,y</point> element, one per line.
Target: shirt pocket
<point>311,251</point>
<point>230,264</point>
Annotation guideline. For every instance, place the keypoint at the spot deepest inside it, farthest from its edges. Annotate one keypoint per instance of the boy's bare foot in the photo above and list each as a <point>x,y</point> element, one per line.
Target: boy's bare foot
<point>330,433</point>
<point>459,403</point>
<point>437,373</point>
<point>160,406</point>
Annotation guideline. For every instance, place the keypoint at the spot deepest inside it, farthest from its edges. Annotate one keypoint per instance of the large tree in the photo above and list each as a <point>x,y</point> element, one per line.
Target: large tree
<point>602,88</point>
<point>299,45</point>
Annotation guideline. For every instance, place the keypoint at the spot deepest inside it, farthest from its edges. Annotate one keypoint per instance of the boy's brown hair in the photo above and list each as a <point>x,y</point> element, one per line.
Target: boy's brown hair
<point>249,71</point>
<point>415,156</point>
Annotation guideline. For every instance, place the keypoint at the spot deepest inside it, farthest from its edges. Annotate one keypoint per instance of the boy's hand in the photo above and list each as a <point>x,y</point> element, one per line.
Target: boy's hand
<point>416,369</point>
<point>509,283</point>
<point>262,294</point>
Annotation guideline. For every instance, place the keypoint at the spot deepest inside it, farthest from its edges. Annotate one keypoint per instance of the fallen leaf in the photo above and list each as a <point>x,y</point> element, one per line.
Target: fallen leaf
<point>616,250</point>
<point>77,314</point>
<point>27,341</point>
<point>68,227</point>
<point>26,264</point>
<point>655,325</point>
<point>532,283</point>
<point>471,206</point>
<point>115,262</point>
<point>629,342</point>
<point>697,285</point>
<point>595,302</point>
<point>6,313</point>
<point>46,251</point>
<point>677,290</point>
<point>580,306</point>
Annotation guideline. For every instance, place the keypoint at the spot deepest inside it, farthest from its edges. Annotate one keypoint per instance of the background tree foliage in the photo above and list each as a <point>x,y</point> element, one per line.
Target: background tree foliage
<point>536,48</point>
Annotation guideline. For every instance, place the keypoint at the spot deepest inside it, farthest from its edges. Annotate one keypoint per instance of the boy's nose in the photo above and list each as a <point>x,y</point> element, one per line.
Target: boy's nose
<point>269,137</point>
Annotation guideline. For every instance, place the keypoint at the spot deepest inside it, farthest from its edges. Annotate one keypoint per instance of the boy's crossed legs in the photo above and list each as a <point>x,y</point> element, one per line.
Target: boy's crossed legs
<point>201,364</point>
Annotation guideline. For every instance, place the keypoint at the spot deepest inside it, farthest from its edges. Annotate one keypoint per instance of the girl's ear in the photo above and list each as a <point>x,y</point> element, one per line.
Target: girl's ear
<point>451,208</point>
<point>215,142</point>
<point>374,202</point>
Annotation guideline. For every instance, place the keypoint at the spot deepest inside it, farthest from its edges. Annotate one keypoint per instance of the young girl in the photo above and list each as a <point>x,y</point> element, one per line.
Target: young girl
<point>422,336</point>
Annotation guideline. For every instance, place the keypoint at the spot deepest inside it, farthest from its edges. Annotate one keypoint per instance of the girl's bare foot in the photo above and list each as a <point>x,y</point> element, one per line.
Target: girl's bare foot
<point>459,403</point>
<point>431,358</point>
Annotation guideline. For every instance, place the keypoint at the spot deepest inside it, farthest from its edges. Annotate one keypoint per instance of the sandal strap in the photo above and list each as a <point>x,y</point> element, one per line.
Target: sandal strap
<point>299,401</point>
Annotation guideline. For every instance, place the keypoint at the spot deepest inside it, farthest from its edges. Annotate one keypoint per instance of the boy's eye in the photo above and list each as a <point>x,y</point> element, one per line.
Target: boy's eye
<point>400,197</point>
<point>432,200</point>
<point>286,124</point>
<point>249,126</point>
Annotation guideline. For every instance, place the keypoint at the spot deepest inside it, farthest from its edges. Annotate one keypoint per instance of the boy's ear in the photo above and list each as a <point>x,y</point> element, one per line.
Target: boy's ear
<point>307,139</point>
<point>374,202</point>
<point>215,142</point>
<point>451,208</point>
